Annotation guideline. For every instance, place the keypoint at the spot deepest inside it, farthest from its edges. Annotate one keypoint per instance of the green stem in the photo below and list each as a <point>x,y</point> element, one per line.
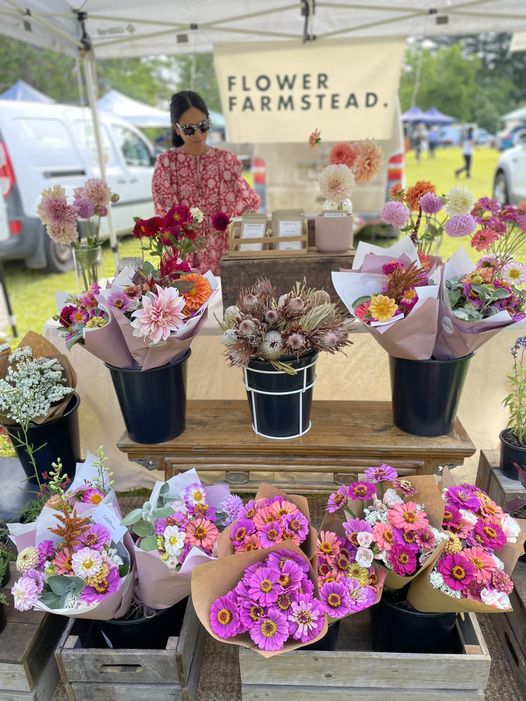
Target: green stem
<point>30,450</point>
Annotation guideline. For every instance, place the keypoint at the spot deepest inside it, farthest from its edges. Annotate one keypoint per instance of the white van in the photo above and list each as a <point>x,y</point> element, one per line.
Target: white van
<point>45,145</point>
<point>291,173</point>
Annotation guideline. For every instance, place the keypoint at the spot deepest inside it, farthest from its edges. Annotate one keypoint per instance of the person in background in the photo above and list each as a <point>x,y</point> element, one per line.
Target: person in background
<point>197,175</point>
<point>467,153</point>
<point>433,141</point>
<point>420,140</point>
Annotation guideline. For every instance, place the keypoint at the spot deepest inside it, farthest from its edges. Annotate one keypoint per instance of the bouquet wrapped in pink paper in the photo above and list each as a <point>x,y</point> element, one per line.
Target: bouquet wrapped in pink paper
<point>473,571</point>
<point>178,527</point>
<point>392,522</point>
<point>266,600</point>
<point>92,485</point>
<point>72,565</point>
<point>394,296</point>
<point>272,517</point>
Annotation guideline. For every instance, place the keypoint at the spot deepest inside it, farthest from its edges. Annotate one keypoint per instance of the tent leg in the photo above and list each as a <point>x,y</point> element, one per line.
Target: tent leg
<point>88,64</point>
<point>10,315</point>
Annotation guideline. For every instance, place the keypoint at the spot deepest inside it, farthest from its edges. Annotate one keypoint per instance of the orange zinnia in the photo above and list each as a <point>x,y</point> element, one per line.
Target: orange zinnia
<point>419,189</point>
<point>198,293</point>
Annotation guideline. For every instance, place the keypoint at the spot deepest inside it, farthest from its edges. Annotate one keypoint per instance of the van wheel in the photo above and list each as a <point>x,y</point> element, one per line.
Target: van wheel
<point>59,258</point>
<point>500,189</point>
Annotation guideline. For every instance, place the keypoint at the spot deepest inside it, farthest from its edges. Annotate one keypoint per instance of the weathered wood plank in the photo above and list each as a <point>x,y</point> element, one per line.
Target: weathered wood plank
<point>345,693</point>
<point>127,692</point>
<point>514,653</point>
<point>188,640</point>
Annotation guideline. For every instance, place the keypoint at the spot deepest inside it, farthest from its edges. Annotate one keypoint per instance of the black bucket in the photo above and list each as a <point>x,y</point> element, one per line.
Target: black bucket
<point>149,633</point>
<point>511,453</point>
<point>329,640</point>
<point>153,402</point>
<point>280,404</point>
<point>59,439</point>
<point>426,393</point>
<point>396,628</point>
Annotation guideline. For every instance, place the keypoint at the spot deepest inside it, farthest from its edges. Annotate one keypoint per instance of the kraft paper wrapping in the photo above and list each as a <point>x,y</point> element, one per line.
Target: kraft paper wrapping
<point>42,348</point>
<point>265,491</point>
<point>457,338</point>
<point>107,344</point>
<point>217,578</point>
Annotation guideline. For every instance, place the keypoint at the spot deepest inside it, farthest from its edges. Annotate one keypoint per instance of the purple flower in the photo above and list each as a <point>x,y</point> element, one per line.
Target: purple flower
<point>107,586</point>
<point>431,203</point>
<point>463,497</point>
<point>337,499</point>
<point>119,300</point>
<point>488,535</point>
<point>277,560</point>
<point>224,616</point>
<point>270,534</point>
<point>290,576</point>
<point>270,632</point>
<point>395,213</point>
<point>402,560</point>
<point>96,537</point>
<point>250,613</point>
<point>354,526</point>
<point>361,491</point>
<point>46,551</point>
<point>361,597</point>
<point>297,524</point>
<point>335,599</point>
<point>25,593</point>
<point>264,586</point>
<point>85,206</point>
<point>306,618</point>
<point>231,506</point>
<point>247,511</point>
<point>241,530</point>
<point>37,577</point>
<point>381,473</point>
<point>460,225</point>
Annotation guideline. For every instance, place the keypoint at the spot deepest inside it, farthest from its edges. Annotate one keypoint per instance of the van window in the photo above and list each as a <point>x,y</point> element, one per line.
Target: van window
<point>49,143</point>
<point>86,133</point>
<point>134,149</point>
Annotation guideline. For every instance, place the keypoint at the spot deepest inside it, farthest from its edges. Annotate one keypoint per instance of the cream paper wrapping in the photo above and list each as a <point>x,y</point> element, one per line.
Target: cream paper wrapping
<point>217,578</point>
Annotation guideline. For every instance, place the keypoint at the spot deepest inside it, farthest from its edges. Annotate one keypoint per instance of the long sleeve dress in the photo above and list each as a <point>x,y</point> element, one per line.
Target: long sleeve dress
<point>213,182</point>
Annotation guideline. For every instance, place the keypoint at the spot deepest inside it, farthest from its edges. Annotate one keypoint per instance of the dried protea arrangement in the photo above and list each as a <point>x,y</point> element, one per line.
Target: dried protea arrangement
<point>262,327</point>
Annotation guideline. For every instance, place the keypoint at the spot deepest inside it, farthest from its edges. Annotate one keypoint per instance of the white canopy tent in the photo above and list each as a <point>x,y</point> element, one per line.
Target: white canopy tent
<point>112,29</point>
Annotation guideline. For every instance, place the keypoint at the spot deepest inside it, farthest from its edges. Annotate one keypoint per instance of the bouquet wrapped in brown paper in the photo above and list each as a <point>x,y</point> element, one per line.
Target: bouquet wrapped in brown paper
<point>394,296</point>
<point>473,571</point>
<point>392,522</point>
<point>266,600</point>
<point>52,381</point>
<point>271,517</point>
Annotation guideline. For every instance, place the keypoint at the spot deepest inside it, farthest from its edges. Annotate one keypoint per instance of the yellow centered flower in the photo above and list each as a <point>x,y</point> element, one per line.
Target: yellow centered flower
<point>265,586</point>
<point>304,617</point>
<point>200,532</point>
<point>403,558</point>
<point>326,547</point>
<point>334,600</point>
<point>388,536</point>
<point>477,280</point>
<point>458,572</point>
<point>240,534</point>
<point>490,532</point>
<point>198,496</point>
<point>224,617</point>
<point>477,562</point>
<point>272,534</point>
<point>284,580</point>
<point>284,602</point>
<point>409,516</point>
<point>255,612</point>
<point>360,490</point>
<point>269,629</point>
<point>453,545</point>
<point>382,308</point>
<point>409,536</point>
<point>359,573</point>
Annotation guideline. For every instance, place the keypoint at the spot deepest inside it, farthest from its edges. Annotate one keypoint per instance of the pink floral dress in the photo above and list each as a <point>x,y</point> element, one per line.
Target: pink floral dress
<point>213,182</point>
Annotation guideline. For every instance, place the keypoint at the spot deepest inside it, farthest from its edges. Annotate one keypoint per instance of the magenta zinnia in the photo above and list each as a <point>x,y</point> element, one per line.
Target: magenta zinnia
<point>335,599</point>
<point>263,586</point>
<point>270,632</point>
<point>458,572</point>
<point>224,617</point>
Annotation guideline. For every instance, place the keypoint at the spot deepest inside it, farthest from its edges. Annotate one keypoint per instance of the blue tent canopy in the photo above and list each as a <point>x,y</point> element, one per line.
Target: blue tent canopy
<point>26,93</point>
<point>434,116</point>
<point>415,114</point>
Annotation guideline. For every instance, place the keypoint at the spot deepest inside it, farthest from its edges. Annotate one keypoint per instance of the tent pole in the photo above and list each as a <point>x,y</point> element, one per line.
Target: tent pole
<point>88,63</point>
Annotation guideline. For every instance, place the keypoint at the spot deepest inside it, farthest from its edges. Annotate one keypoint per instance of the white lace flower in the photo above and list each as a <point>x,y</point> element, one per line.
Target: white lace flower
<point>459,200</point>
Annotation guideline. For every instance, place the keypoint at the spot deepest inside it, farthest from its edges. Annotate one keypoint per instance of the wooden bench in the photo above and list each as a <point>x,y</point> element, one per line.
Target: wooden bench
<point>345,438</point>
<point>500,488</point>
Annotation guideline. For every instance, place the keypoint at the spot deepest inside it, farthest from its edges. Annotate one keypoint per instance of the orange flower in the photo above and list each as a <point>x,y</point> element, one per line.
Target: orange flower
<point>314,138</point>
<point>368,160</point>
<point>419,189</point>
<point>342,154</point>
<point>199,292</point>
<point>397,192</point>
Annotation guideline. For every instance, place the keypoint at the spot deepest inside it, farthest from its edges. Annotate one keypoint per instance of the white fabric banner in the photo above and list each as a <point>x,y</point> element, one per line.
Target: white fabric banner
<point>280,92</point>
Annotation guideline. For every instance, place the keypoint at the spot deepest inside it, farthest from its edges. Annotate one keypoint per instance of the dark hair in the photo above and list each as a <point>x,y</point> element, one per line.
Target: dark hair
<point>180,102</point>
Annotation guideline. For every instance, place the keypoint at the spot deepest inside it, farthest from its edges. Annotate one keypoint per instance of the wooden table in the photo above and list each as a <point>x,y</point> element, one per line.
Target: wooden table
<point>345,438</point>
<point>490,478</point>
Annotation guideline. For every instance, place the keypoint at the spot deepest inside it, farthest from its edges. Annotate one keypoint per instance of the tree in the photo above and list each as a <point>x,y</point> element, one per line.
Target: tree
<point>197,73</point>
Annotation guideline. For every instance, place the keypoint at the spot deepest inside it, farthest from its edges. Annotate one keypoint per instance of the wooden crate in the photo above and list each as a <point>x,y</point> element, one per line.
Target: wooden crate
<point>92,672</point>
<point>490,478</point>
<point>511,627</point>
<point>28,670</point>
<point>269,243</point>
<point>354,672</point>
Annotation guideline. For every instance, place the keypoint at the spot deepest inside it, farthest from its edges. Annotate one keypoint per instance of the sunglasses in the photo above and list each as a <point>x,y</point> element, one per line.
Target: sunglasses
<point>190,129</point>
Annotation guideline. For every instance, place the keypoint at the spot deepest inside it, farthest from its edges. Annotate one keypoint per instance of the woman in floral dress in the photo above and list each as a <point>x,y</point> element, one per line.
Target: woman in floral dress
<point>198,175</point>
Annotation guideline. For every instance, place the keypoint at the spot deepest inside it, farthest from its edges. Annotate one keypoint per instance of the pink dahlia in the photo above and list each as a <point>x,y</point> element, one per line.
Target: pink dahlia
<point>431,203</point>
<point>368,161</point>
<point>270,632</point>
<point>161,313</point>
<point>458,572</point>
<point>224,616</point>
<point>97,192</point>
<point>395,213</point>
<point>408,516</point>
<point>342,154</point>
<point>460,225</point>
<point>306,618</point>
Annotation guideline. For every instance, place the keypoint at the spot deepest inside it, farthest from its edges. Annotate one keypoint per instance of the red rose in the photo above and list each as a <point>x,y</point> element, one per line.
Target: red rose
<point>220,221</point>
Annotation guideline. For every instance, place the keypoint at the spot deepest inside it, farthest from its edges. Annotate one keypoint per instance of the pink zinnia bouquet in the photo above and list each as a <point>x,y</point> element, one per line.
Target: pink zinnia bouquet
<point>398,528</point>
<point>394,293</point>
<point>73,565</point>
<point>271,518</point>
<point>472,573</point>
<point>92,485</point>
<point>347,581</point>
<point>266,600</point>
<point>178,527</point>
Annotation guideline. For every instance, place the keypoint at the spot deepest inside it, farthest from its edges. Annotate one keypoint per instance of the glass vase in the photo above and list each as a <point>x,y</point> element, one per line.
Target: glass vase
<point>87,263</point>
